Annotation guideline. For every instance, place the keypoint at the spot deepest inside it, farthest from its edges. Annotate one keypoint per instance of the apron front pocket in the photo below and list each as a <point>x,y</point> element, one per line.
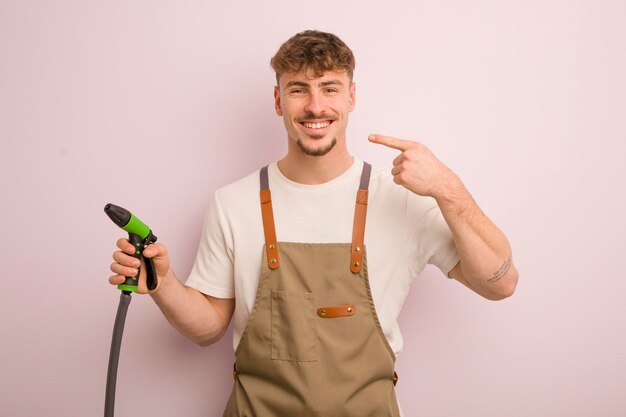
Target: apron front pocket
<point>293,326</point>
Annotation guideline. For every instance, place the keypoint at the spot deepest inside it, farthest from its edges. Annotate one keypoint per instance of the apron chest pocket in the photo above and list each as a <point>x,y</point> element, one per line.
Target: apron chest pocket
<point>293,326</point>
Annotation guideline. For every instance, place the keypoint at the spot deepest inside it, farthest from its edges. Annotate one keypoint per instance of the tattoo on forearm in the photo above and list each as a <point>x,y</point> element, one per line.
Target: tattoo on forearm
<point>501,272</point>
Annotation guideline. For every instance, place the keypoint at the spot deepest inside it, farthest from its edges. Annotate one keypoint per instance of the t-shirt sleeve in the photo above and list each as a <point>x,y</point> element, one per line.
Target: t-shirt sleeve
<point>434,239</point>
<point>212,272</point>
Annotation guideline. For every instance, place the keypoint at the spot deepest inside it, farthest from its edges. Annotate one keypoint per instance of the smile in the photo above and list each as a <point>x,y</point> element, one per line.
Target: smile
<point>317,125</point>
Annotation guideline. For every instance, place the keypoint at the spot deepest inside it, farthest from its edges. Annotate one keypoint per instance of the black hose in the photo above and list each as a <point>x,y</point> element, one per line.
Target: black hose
<point>114,355</point>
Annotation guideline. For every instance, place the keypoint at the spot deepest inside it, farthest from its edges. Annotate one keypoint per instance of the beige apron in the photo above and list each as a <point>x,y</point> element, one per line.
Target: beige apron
<point>313,345</point>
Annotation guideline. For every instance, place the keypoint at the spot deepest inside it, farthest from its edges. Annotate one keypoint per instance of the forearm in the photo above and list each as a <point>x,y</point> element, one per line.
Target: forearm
<point>486,264</point>
<point>485,253</point>
<point>189,311</point>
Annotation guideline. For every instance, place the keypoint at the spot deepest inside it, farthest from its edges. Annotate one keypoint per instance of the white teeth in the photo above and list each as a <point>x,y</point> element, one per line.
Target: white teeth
<point>316,125</point>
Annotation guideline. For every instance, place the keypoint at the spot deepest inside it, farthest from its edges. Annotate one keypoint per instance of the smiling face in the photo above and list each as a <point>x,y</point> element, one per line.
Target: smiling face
<point>315,110</point>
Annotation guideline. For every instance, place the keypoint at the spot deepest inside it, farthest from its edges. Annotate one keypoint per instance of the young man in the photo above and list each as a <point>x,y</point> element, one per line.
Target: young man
<point>316,331</point>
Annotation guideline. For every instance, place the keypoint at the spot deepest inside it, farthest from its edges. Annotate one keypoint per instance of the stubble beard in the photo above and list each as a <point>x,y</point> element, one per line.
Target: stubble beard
<point>317,152</point>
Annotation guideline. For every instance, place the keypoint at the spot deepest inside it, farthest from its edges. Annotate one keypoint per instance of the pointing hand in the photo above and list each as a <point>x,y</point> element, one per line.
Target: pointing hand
<point>416,168</point>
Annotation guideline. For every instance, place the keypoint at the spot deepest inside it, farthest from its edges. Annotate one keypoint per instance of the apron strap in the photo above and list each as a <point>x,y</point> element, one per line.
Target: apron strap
<point>271,244</point>
<point>360,212</point>
<point>358,228</point>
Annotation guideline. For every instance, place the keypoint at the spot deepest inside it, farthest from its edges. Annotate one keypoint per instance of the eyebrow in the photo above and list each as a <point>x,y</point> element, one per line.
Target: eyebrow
<point>297,83</point>
<point>331,82</point>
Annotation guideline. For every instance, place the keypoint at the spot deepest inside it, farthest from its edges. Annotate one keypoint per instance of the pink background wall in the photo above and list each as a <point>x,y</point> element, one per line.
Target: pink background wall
<point>154,104</point>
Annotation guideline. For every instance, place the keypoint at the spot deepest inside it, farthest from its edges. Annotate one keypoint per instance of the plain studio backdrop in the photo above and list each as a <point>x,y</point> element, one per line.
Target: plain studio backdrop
<point>152,105</point>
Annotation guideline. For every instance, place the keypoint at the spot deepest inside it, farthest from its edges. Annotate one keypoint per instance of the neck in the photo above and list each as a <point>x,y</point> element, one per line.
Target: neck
<point>311,170</point>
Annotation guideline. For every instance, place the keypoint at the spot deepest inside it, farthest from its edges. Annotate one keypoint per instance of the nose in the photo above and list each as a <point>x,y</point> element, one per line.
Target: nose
<point>315,103</point>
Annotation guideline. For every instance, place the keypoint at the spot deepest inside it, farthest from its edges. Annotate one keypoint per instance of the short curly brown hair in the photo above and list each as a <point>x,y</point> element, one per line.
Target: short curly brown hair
<point>313,51</point>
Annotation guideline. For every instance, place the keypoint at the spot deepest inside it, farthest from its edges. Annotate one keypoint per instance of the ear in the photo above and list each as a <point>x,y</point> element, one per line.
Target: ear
<point>277,108</point>
<point>352,98</point>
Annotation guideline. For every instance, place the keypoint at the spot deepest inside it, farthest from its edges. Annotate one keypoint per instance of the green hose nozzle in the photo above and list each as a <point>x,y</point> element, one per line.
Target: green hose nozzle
<point>139,235</point>
<point>126,220</point>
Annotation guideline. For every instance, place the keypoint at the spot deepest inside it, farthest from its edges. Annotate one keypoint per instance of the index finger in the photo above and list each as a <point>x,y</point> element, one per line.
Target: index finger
<point>125,246</point>
<point>391,142</point>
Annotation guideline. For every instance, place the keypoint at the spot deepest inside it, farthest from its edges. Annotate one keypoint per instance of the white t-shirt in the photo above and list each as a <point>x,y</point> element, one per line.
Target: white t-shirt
<point>403,233</point>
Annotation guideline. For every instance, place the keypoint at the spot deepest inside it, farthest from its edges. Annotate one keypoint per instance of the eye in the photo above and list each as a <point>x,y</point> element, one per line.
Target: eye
<point>331,90</point>
<point>297,91</point>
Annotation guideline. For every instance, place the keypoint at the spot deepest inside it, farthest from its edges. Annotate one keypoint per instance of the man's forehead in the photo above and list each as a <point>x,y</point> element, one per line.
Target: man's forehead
<point>309,78</point>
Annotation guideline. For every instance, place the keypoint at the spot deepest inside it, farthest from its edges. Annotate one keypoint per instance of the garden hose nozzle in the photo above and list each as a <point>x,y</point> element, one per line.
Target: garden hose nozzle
<point>140,236</point>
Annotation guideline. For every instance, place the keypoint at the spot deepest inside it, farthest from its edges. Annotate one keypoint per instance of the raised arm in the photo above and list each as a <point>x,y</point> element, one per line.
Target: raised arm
<point>486,263</point>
